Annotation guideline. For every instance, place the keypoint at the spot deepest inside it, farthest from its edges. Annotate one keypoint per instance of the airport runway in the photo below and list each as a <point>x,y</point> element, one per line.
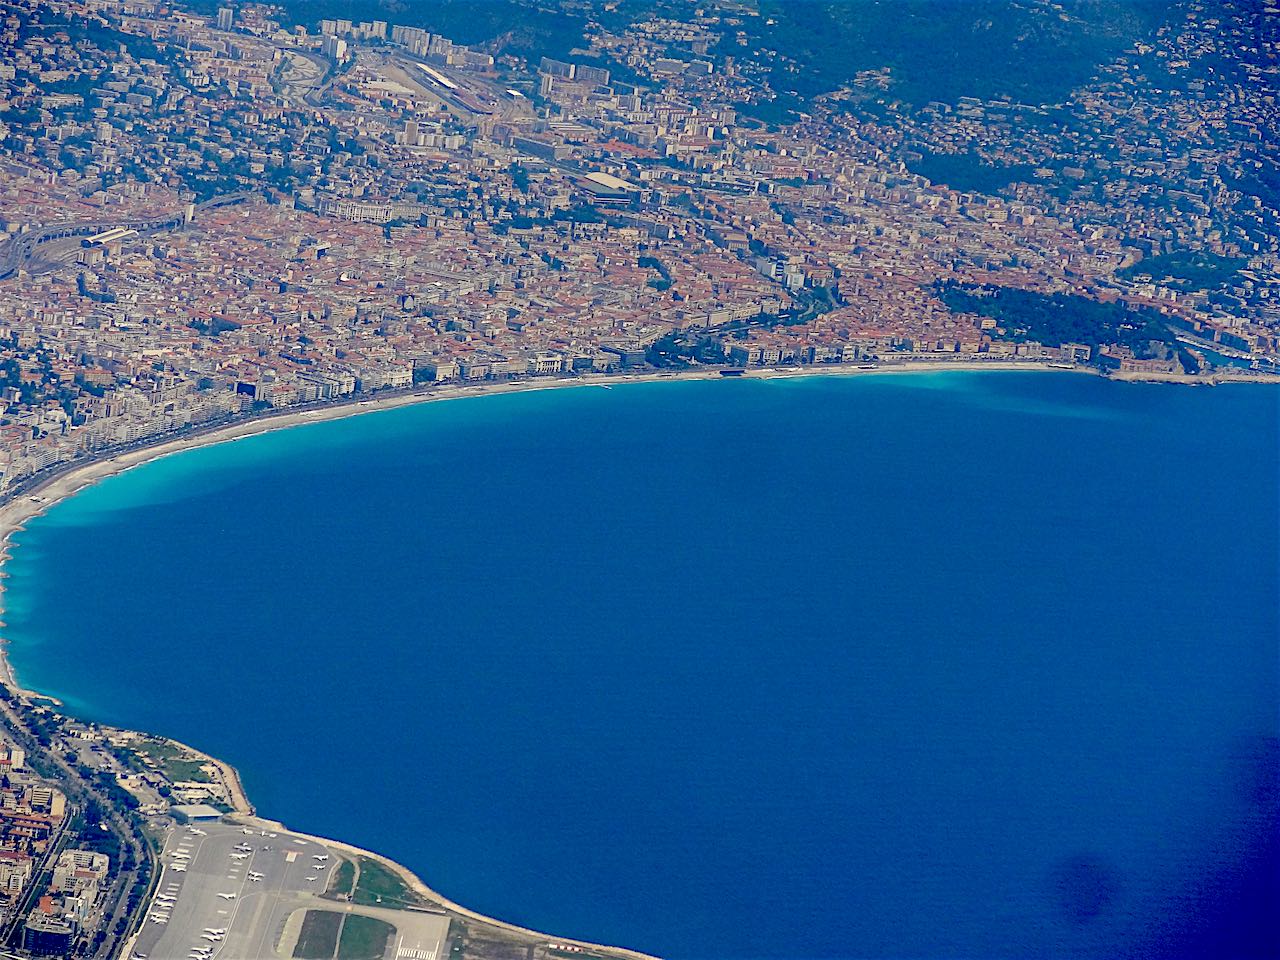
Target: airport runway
<point>219,889</point>
<point>226,892</point>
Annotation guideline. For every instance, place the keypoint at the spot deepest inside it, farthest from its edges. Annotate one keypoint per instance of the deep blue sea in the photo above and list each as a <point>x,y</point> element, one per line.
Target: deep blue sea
<point>933,666</point>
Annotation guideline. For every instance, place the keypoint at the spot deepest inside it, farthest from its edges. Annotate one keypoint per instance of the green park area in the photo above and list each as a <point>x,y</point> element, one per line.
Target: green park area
<point>172,761</point>
<point>341,881</point>
<point>1056,318</point>
<point>376,884</point>
<point>968,171</point>
<point>1186,270</point>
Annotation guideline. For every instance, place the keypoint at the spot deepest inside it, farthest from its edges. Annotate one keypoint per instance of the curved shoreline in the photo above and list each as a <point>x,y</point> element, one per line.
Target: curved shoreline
<point>70,478</point>
<point>75,477</point>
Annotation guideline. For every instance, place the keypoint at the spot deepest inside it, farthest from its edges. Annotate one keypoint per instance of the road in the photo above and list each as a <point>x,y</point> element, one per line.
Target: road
<point>79,792</point>
<point>21,249</point>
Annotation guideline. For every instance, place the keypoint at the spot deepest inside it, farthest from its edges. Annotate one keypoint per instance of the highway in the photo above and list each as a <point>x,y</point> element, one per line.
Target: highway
<point>20,250</point>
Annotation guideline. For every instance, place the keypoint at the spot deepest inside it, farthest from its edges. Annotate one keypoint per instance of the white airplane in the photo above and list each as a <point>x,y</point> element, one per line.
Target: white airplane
<point>243,846</point>
<point>217,931</point>
<point>311,879</point>
<point>199,833</point>
<point>227,896</point>
<point>157,919</point>
<point>255,877</point>
<point>239,856</point>
<point>179,869</point>
<point>320,856</point>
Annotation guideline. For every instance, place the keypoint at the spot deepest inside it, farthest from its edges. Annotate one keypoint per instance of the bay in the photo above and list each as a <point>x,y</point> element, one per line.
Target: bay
<point>932,665</point>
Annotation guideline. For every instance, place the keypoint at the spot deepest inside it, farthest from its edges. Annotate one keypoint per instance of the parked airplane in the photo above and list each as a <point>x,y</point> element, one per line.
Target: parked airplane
<point>227,896</point>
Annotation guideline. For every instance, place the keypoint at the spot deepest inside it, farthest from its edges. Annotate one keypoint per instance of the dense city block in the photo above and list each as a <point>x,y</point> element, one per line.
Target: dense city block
<point>212,213</point>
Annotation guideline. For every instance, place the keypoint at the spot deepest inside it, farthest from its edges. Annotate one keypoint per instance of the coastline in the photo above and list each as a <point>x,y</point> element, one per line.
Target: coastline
<point>76,477</point>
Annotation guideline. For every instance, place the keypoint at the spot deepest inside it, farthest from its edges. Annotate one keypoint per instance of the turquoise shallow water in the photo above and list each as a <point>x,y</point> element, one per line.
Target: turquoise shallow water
<point>956,665</point>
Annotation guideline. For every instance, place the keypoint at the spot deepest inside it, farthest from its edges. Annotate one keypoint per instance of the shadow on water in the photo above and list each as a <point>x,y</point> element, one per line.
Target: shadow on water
<point>1085,888</point>
<point>1233,912</point>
